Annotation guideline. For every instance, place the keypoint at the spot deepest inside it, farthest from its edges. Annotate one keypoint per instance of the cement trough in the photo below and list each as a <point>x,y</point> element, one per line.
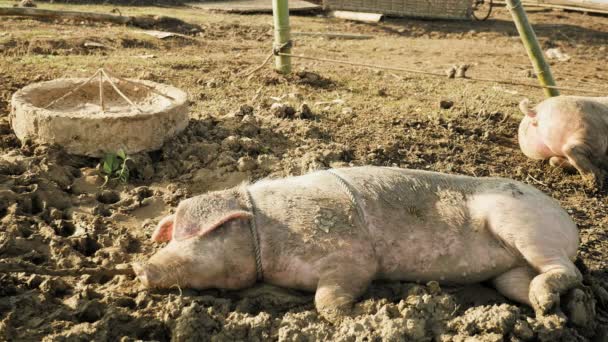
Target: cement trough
<point>68,112</point>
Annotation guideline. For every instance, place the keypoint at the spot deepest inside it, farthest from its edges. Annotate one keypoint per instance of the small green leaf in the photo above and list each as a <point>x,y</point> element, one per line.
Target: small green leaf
<point>121,154</point>
<point>114,165</point>
<point>107,166</point>
<point>110,164</point>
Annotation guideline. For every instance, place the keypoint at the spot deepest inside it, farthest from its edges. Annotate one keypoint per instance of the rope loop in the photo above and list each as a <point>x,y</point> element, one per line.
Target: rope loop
<point>276,50</point>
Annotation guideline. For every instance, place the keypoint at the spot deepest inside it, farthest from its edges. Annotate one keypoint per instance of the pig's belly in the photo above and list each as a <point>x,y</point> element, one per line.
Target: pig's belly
<point>456,257</point>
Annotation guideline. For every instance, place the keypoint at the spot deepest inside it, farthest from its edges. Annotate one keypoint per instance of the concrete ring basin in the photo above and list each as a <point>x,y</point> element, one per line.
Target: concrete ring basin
<point>68,112</point>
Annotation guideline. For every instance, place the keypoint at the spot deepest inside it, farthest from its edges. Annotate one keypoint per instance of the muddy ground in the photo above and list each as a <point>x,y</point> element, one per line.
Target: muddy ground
<point>54,211</point>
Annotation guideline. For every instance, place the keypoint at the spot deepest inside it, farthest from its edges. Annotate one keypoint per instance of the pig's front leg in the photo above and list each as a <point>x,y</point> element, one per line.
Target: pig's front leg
<point>562,163</point>
<point>341,282</point>
<point>580,156</point>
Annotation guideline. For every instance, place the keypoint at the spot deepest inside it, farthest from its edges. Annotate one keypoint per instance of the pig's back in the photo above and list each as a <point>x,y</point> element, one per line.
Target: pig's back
<point>415,225</point>
<point>423,225</point>
<point>562,117</point>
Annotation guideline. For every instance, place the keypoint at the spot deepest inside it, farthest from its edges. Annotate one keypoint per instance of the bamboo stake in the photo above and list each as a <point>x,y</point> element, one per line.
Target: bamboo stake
<point>541,68</point>
<point>280,13</point>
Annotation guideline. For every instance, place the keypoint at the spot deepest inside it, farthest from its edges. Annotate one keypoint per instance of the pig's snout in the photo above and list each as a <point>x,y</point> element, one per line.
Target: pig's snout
<point>142,273</point>
<point>153,275</point>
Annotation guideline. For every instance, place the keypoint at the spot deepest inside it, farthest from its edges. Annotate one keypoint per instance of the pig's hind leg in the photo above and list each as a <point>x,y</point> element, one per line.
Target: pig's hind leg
<point>547,240</point>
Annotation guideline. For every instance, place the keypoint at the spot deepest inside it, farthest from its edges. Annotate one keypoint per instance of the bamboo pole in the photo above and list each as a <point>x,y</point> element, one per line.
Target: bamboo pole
<point>280,13</point>
<point>541,68</point>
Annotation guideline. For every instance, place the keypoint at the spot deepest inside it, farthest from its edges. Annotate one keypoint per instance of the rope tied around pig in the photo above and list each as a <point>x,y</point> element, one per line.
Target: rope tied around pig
<point>246,194</point>
<point>254,235</point>
<point>350,193</point>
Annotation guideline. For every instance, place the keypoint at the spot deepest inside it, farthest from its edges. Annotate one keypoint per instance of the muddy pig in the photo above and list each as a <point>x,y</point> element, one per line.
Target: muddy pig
<point>570,131</point>
<point>335,231</point>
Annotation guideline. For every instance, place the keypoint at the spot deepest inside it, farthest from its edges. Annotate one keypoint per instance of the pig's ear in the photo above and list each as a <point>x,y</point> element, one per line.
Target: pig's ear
<point>164,230</point>
<point>188,230</point>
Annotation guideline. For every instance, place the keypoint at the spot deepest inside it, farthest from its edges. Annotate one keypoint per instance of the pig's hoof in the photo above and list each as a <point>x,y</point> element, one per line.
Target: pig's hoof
<point>335,315</point>
<point>594,183</point>
<point>544,301</point>
<point>563,163</point>
<point>336,309</point>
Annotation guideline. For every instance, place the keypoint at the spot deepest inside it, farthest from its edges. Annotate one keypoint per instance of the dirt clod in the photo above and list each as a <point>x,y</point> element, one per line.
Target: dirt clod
<point>304,112</point>
<point>27,3</point>
<point>246,164</point>
<point>446,104</point>
<point>580,308</point>
<point>282,111</point>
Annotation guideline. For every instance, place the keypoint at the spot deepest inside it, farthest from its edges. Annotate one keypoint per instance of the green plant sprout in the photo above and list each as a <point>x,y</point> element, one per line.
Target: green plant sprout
<point>114,166</point>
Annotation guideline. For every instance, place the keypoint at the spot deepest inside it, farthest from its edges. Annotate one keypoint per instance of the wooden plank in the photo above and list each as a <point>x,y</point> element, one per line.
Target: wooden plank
<point>357,16</point>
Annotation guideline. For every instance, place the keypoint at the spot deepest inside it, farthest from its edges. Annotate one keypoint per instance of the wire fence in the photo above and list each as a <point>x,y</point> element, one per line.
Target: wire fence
<point>277,52</point>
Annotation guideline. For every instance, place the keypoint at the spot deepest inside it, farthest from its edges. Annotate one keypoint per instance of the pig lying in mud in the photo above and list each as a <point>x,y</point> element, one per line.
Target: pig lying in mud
<point>335,231</point>
<point>570,131</point>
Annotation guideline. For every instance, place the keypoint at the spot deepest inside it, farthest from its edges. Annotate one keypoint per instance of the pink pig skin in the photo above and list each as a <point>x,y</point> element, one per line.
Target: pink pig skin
<point>570,131</point>
<point>396,224</point>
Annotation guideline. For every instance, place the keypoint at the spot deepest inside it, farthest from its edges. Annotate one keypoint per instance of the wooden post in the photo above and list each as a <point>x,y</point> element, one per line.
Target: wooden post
<point>541,68</point>
<point>280,13</point>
